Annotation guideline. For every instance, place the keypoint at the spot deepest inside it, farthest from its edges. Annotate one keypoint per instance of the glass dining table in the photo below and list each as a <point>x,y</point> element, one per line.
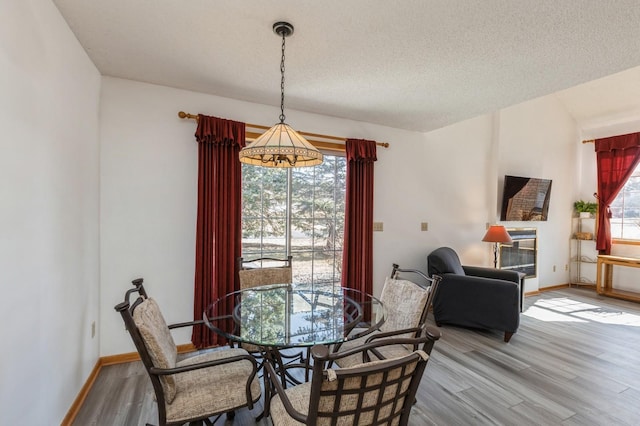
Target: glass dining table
<point>278,317</point>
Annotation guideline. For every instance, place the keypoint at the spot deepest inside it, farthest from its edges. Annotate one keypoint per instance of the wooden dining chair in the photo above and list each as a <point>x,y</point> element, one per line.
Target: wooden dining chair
<point>407,305</point>
<point>371,393</point>
<point>191,389</point>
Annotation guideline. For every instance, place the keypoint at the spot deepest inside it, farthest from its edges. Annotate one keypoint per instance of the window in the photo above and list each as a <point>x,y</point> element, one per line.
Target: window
<point>625,210</point>
<point>298,211</point>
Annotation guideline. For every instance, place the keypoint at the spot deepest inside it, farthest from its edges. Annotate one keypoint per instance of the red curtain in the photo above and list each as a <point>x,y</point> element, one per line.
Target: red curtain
<point>357,255</point>
<point>218,229</point>
<point>617,157</point>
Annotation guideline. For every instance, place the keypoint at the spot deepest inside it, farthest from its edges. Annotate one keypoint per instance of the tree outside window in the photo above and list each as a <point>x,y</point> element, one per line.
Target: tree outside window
<point>625,210</point>
<point>298,211</point>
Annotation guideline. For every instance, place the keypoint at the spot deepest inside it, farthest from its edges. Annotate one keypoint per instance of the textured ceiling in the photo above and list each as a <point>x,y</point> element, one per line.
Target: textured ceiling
<point>412,64</point>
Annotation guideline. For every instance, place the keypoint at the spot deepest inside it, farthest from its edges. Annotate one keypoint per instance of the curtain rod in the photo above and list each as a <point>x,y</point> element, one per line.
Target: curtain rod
<point>319,144</point>
<point>593,140</point>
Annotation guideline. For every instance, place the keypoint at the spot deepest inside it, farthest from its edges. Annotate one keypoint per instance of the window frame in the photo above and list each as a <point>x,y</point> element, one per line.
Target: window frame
<point>626,241</point>
<point>289,225</point>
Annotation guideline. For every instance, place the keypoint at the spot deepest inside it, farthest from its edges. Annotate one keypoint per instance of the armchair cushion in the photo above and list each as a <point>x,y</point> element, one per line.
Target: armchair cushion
<point>404,302</point>
<point>159,342</point>
<point>299,397</point>
<point>354,359</point>
<point>388,351</point>
<point>210,389</point>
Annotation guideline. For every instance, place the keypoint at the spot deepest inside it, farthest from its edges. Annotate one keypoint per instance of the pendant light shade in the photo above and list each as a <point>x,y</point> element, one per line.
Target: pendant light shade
<point>281,146</point>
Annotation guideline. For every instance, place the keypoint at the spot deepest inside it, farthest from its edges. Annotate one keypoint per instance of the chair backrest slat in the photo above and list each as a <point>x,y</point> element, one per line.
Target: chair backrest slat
<point>374,393</point>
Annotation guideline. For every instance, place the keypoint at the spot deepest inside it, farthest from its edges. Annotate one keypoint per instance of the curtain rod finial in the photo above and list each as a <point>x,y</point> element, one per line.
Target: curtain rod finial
<point>183,114</point>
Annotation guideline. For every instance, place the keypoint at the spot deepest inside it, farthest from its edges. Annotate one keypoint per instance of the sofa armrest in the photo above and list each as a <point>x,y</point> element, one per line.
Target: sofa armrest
<point>498,274</point>
<point>488,285</point>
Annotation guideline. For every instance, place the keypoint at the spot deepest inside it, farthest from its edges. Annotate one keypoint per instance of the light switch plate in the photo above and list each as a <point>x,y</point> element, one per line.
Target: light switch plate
<point>377,226</point>
<point>424,226</point>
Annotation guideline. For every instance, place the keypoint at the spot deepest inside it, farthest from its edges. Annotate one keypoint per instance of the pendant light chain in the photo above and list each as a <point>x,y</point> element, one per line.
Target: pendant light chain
<point>282,117</point>
<point>281,145</point>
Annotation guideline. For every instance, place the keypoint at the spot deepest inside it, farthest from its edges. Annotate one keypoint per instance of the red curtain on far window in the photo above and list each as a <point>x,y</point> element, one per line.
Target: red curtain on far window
<point>357,256</point>
<point>617,157</point>
<point>218,229</point>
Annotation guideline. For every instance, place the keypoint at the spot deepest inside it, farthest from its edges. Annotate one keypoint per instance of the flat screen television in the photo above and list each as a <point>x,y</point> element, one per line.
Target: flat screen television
<point>525,199</point>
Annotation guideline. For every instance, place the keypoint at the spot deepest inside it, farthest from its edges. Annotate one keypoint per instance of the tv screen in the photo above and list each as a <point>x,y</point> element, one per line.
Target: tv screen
<point>525,199</point>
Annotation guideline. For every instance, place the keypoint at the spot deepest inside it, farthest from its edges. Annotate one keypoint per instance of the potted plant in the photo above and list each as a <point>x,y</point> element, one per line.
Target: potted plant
<point>585,208</point>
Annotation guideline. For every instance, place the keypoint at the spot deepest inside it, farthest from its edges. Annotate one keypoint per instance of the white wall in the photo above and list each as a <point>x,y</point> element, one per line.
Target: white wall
<point>539,139</point>
<point>49,237</point>
<point>149,183</point>
<point>459,188</point>
<point>448,178</point>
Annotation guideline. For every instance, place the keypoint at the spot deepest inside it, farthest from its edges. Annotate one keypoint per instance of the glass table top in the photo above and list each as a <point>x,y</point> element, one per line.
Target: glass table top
<point>288,315</point>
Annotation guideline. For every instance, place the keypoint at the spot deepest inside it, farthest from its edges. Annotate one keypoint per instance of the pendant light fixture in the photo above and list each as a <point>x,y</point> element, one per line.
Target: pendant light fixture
<point>281,146</point>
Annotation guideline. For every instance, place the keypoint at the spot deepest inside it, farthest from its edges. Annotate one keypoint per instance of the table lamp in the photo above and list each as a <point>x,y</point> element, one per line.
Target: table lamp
<point>496,234</point>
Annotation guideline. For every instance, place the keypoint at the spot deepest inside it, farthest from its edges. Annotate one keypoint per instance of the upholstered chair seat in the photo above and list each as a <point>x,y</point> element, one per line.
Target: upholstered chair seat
<point>206,390</point>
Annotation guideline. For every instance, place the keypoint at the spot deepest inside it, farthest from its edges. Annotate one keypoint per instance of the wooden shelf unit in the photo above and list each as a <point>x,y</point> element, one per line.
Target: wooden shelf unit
<point>583,256</point>
<point>604,279</point>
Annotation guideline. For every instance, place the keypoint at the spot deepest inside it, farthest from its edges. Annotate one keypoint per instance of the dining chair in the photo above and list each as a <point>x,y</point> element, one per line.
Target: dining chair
<point>371,393</point>
<point>407,305</point>
<point>266,271</point>
<point>195,388</point>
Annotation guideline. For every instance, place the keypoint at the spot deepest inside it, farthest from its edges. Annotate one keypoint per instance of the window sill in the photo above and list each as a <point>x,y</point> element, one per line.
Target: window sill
<point>625,242</point>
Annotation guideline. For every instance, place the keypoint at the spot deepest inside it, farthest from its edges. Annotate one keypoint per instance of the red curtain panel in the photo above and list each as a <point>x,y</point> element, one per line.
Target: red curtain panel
<point>617,157</point>
<point>357,256</point>
<point>218,229</point>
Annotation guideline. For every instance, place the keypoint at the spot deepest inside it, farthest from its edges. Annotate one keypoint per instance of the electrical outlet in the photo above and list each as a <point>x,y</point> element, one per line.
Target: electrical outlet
<point>424,226</point>
<point>554,268</point>
<point>566,267</point>
<point>377,226</point>
<point>93,329</point>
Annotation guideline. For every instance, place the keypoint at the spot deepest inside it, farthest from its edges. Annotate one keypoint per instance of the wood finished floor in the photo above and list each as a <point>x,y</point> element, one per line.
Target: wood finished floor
<point>574,361</point>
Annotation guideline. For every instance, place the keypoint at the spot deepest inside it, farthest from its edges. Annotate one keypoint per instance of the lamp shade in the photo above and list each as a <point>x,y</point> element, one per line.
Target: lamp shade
<point>281,146</point>
<point>497,234</point>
